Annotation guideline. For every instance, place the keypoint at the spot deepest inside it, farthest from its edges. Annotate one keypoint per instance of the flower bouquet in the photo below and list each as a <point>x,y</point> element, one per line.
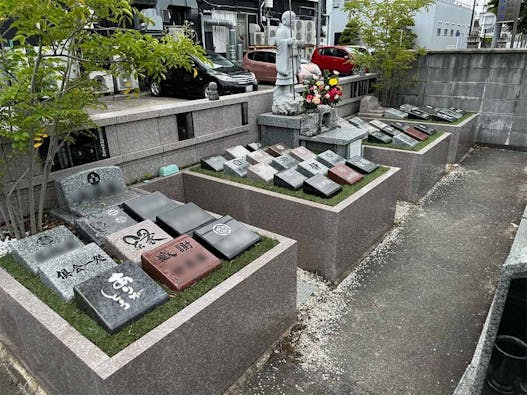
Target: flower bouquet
<point>323,90</point>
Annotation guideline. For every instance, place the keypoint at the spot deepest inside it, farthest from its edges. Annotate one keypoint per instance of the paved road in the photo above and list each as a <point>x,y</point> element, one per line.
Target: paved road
<point>407,322</point>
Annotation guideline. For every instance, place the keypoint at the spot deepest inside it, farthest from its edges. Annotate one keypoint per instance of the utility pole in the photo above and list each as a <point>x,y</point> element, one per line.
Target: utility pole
<point>319,21</point>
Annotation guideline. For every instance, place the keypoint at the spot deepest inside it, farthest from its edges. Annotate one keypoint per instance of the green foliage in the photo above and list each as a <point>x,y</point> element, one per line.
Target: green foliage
<point>45,89</point>
<point>112,344</point>
<point>385,29</point>
<point>351,34</point>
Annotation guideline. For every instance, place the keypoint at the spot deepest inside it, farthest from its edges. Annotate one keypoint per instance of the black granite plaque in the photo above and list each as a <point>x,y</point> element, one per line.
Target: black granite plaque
<point>226,237</point>
<point>322,186</point>
<point>253,147</point>
<point>400,126</point>
<point>426,129</point>
<point>284,162</point>
<point>290,179</point>
<point>415,112</point>
<point>149,206</point>
<point>183,219</point>
<point>214,163</point>
<point>118,296</point>
<point>379,138</point>
<point>436,113</point>
<point>330,159</point>
<point>362,165</point>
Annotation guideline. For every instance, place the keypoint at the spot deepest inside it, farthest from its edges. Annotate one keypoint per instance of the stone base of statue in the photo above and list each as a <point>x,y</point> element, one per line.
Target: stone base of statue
<point>285,102</point>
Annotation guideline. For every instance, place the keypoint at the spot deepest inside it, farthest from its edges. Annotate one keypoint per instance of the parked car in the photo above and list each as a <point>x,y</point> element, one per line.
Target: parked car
<point>338,58</point>
<point>229,77</point>
<point>262,62</point>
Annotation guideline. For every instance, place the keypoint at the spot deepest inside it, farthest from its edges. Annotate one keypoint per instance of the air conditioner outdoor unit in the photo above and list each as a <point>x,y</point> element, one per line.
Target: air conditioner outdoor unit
<point>272,31</point>
<point>258,38</point>
<point>254,28</point>
<point>299,25</point>
<point>104,79</point>
<point>311,38</point>
<point>310,26</point>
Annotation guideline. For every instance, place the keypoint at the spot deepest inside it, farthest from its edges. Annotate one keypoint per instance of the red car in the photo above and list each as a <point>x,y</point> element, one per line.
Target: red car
<point>336,58</point>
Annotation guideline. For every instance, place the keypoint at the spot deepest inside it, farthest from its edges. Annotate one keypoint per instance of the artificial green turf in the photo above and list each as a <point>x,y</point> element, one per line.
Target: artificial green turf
<point>347,190</point>
<point>418,147</point>
<point>112,344</point>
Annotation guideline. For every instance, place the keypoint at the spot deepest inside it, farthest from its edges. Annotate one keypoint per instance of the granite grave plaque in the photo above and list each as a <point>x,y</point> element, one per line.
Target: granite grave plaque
<point>284,162</point>
<point>183,219</point>
<point>451,113</point>
<point>344,175</point>
<point>236,168</point>
<point>290,179</point>
<point>330,159</point>
<point>379,138</point>
<point>414,111</point>
<point>66,271</point>
<point>119,296</point>
<point>149,206</point>
<point>301,154</point>
<point>416,134</point>
<point>214,163</point>
<point>322,186</point>
<point>384,127</point>
<point>253,147</point>
<point>226,237</point>
<point>311,167</point>
<point>179,263</point>
<point>404,141</point>
<point>395,114</point>
<point>95,226</point>
<point>238,151</point>
<point>128,244</point>
<point>426,129</point>
<point>259,156</point>
<point>277,149</point>
<point>362,124</point>
<point>261,172</point>
<point>362,165</point>
<point>457,110</point>
<point>437,114</point>
<point>400,126</point>
<point>33,251</point>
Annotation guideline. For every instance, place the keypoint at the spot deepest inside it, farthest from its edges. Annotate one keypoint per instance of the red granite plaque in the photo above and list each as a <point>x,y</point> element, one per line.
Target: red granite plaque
<point>344,175</point>
<point>277,150</point>
<point>416,134</point>
<point>179,263</point>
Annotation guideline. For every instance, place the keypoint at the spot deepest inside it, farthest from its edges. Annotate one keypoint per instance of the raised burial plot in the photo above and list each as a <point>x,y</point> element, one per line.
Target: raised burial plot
<point>199,349</point>
<point>462,133</point>
<point>420,170</point>
<point>331,239</point>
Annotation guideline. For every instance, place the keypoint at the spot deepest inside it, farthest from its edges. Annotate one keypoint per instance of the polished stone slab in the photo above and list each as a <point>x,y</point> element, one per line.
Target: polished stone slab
<point>301,154</point>
<point>400,126</point>
<point>416,134</point>
<point>33,251</point>
<point>384,127</point>
<point>290,179</point>
<point>179,263</point>
<point>149,206</point>
<point>214,163</point>
<point>395,113</point>
<point>238,151</point>
<point>63,273</point>
<point>415,112</point>
<point>118,296</point>
<point>184,219</point>
<point>404,141</point>
<point>362,165</point>
<point>226,237</point>
<point>261,172</point>
<point>344,175</point>
<point>259,156</point>
<point>311,167</point>
<point>128,244</point>
<point>284,162</point>
<point>236,168</point>
<point>322,186</point>
<point>426,129</point>
<point>362,124</point>
<point>330,159</point>
<point>277,149</point>
<point>379,137</point>
<point>253,147</point>
<point>95,226</point>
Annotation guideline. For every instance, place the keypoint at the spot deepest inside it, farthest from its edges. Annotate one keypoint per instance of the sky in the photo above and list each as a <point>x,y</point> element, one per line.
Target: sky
<point>480,4</point>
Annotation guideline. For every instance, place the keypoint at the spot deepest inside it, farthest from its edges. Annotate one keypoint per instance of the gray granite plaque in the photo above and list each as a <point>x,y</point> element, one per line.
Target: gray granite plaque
<point>119,296</point>
<point>213,163</point>
<point>92,190</point>
<point>128,244</point>
<point>414,111</point>
<point>395,114</point>
<point>259,156</point>
<point>184,219</point>
<point>384,127</point>
<point>362,165</point>
<point>362,124</point>
<point>400,126</point>
<point>33,251</point>
<point>322,186</point>
<point>290,179</point>
<point>301,154</point>
<point>95,226</point>
<point>253,147</point>
<point>330,159</point>
<point>426,129</point>
<point>311,167</point>
<point>404,141</point>
<point>66,271</point>
<point>226,237</point>
<point>379,138</point>
<point>284,162</point>
<point>238,151</point>
<point>451,113</point>
<point>236,168</point>
<point>149,206</point>
<point>261,172</point>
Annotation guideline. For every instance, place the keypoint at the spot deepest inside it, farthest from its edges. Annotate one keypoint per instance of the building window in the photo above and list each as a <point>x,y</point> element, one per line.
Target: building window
<point>439,31</point>
<point>452,33</point>
<point>445,32</point>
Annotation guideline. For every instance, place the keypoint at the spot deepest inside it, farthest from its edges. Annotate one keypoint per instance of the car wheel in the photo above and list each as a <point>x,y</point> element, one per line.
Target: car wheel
<point>156,89</point>
<point>206,91</point>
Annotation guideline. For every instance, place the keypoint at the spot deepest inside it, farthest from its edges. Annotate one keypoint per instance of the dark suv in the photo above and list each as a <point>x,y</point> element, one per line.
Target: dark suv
<point>229,77</point>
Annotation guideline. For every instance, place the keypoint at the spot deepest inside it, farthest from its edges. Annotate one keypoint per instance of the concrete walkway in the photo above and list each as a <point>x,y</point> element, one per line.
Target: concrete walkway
<point>407,321</point>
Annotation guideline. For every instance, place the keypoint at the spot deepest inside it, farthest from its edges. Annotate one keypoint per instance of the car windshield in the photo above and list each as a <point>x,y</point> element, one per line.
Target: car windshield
<point>217,62</point>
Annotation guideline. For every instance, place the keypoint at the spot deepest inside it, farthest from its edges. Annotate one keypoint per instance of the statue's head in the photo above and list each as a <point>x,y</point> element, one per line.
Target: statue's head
<point>288,17</point>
